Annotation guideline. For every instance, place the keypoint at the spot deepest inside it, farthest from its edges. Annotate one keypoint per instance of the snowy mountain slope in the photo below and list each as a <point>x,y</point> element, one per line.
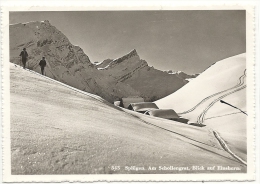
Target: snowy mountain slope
<point>220,76</point>
<point>199,101</point>
<point>57,130</point>
<point>69,64</point>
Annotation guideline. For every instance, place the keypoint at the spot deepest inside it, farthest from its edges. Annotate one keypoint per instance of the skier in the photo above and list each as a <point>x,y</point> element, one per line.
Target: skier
<point>24,56</point>
<point>42,64</point>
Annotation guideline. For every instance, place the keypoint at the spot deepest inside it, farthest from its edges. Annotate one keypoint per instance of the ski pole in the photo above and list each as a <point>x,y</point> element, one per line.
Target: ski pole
<point>28,65</point>
<point>232,106</point>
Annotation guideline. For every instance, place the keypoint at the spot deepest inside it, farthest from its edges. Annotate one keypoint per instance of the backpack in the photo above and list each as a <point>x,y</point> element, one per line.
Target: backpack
<point>24,54</point>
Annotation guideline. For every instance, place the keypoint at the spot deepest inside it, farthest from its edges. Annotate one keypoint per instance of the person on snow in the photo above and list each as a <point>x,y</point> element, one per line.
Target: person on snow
<point>24,56</point>
<point>42,64</point>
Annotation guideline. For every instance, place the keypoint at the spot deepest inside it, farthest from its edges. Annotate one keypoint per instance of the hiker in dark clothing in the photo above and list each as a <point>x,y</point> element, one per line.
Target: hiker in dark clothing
<point>42,64</point>
<point>24,55</point>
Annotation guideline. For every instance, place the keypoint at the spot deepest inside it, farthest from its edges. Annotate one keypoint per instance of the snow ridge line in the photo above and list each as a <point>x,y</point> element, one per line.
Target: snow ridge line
<point>67,86</point>
<point>205,99</point>
<point>226,148</point>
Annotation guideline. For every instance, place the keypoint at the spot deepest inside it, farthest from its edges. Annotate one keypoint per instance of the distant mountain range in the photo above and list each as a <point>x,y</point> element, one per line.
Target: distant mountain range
<point>111,79</point>
<point>183,75</point>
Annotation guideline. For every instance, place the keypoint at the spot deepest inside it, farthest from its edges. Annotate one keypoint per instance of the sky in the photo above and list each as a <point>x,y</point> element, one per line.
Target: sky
<point>178,40</point>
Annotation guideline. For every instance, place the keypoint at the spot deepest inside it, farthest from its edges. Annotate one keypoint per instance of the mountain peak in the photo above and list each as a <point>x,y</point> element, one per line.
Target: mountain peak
<point>131,54</point>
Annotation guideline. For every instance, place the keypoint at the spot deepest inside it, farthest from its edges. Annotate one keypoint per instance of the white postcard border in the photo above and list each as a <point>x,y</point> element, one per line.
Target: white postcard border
<point>250,55</point>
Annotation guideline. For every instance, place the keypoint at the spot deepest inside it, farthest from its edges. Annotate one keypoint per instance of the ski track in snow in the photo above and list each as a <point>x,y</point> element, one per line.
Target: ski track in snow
<point>226,148</point>
<point>241,80</point>
<point>201,117</point>
<point>209,101</point>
